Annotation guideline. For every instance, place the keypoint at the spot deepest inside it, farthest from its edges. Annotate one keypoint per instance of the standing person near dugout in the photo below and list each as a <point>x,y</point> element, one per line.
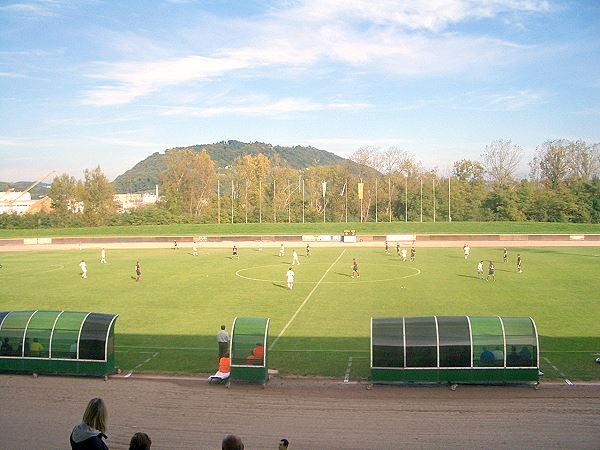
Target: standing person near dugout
<point>223,341</point>
<point>83,267</point>
<point>138,271</point>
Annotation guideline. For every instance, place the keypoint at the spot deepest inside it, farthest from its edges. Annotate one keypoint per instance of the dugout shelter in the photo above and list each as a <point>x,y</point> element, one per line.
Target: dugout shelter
<point>461,349</point>
<point>248,350</point>
<point>57,342</point>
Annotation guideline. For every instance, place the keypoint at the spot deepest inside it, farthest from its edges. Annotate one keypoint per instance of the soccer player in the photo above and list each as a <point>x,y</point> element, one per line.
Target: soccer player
<point>505,255</point>
<point>290,278</point>
<point>355,273</point>
<point>519,264</point>
<point>398,248</point>
<point>403,254</point>
<point>307,250</point>
<point>234,252</point>
<point>138,271</point>
<point>281,250</point>
<point>194,249</point>
<point>102,256</point>
<point>466,251</point>
<point>83,268</point>
<point>175,245</point>
<point>491,272</point>
<point>413,253</point>
<point>295,259</point>
<point>387,247</point>
<point>480,270</point>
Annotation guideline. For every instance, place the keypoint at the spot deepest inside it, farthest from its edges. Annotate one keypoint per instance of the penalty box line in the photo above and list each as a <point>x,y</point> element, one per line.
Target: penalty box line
<point>305,301</point>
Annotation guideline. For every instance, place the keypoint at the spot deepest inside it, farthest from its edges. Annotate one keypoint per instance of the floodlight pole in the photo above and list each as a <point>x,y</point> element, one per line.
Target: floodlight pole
<point>246,201</point>
<point>390,197</point>
<point>433,186</point>
<point>274,206</point>
<point>302,200</point>
<point>346,194</point>
<point>449,215</point>
<point>232,200</point>
<point>289,202</point>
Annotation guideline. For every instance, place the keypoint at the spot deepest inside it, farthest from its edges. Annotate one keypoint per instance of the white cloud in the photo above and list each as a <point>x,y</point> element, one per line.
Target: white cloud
<point>389,37</point>
<point>263,108</point>
<point>44,8</point>
<point>506,101</point>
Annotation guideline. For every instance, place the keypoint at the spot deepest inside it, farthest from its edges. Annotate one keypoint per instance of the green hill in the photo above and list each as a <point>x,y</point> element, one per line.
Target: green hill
<point>146,174</point>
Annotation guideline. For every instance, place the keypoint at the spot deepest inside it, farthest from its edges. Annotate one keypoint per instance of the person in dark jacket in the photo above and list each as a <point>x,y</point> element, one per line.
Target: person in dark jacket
<point>89,433</point>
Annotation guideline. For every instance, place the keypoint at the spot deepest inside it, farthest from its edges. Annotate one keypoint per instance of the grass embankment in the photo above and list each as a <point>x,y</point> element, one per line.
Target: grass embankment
<point>313,228</point>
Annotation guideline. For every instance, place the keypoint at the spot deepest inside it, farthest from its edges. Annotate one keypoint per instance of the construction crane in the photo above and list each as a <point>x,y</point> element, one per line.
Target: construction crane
<point>11,202</point>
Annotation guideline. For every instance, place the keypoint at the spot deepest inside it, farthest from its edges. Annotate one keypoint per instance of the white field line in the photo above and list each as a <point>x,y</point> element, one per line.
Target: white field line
<point>305,301</point>
<point>347,374</point>
<point>559,371</point>
<point>141,364</point>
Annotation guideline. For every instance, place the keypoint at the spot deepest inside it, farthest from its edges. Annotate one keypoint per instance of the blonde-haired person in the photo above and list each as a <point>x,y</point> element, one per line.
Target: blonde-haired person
<point>89,433</point>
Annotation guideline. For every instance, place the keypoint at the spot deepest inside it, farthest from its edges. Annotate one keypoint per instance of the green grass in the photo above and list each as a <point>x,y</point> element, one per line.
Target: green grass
<point>312,228</point>
<point>178,306</point>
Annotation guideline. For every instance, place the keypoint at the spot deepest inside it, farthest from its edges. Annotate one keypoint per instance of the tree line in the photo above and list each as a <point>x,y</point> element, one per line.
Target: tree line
<point>374,185</point>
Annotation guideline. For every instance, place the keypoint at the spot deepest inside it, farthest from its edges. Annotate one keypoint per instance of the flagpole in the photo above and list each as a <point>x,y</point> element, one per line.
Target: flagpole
<point>259,201</point>
<point>289,202</point>
<point>274,205</point>
<point>346,184</point>
<point>375,199</point>
<point>232,201</point>
<point>218,201</point>
<point>421,199</point>
<point>390,197</point>
<point>449,216</point>
<point>302,200</point>
<point>433,184</point>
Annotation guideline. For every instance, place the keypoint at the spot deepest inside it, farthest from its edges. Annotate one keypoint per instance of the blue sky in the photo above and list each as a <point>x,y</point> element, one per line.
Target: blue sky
<point>91,82</point>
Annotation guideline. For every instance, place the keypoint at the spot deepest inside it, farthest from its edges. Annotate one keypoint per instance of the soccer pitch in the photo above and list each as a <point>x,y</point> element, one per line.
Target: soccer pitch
<point>169,319</point>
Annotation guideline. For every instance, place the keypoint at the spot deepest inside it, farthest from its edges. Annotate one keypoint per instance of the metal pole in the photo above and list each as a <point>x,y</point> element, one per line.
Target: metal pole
<point>323,206</point>
<point>433,184</point>
<point>406,199</point>
<point>259,201</point>
<point>246,200</point>
<point>421,199</point>
<point>346,200</point>
<point>375,199</point>
<point>449,216</point>
<point>361,203</point>
<point>289,202</point>
<point>218,201</point>
<point>232,201</point>
<point>390,197</point>
<point>274,205</point>
<point>303,194</point>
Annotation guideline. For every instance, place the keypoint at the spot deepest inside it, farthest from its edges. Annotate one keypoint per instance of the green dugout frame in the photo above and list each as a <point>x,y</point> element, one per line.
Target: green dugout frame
<point>454,349</point>
<point>57,342</point>
<point>248,350</point>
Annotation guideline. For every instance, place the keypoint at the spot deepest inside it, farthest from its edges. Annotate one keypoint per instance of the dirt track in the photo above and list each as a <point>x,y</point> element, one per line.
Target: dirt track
<point>313,414</point>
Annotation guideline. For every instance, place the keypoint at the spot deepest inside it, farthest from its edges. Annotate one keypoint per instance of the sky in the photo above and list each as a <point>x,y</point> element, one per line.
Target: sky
<point>91,82</point>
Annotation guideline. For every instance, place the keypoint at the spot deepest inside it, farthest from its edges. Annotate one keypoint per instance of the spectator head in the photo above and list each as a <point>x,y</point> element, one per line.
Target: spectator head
<point>283,444</point>
<point>222,327</point>
<point>140,441</point>
<point>95,414</point>
<point>232,442</point>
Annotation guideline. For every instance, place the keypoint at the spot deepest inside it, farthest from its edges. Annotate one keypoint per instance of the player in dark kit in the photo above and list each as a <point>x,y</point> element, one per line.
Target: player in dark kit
<point>355,273</point>
<point>387,247</point>
<point>491,272</point>
<point>413,253</point>
<point>519,264</point>
<point>234,252</point>
<point>398,248</point>
<point>505,255</point>
<point>307,250</point>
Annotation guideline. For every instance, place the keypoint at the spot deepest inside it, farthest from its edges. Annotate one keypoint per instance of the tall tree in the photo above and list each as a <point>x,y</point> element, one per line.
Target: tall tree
<point>500,160</point>
<point>64,193</point>
<point>97,196</point>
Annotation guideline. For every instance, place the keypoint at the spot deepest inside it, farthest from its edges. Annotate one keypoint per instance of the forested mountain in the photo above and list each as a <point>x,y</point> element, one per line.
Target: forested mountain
<point>146,174</point>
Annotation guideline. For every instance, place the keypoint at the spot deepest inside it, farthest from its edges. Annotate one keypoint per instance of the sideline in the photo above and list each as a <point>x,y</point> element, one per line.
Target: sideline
<point>141,364</point>
<point>305,301</point>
